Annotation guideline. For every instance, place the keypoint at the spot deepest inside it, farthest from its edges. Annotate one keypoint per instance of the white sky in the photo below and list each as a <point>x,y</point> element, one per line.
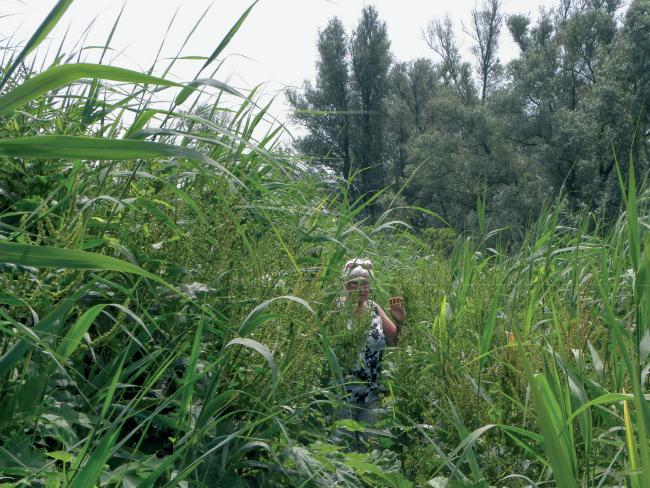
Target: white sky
<point>276,45</point>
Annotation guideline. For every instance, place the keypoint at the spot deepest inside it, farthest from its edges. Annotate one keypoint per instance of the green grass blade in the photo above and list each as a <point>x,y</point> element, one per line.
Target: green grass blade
<point>60,76</point>
<point>76,333</point>
<point>633,220</point>
<point>91,471</point>
<point>54,257</point>
<point>140,121</point>
<point>186,401</point>
<point>555,444</point>
<point>39,35</point>
<point>631,447</point>
<point>231,33</point>
<point>15,353</point>
<point>260,348</point>
<point>488,331</point>
<point>79,147</point>
<point>192,86</point>
<point>252,320</point>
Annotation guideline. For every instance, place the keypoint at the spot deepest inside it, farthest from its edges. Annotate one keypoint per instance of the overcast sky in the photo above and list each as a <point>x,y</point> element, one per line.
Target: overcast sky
<point>276,45</point>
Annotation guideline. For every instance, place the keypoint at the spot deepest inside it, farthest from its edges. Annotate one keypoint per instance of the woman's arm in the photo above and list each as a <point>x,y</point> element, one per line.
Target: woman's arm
<point>390,330</point>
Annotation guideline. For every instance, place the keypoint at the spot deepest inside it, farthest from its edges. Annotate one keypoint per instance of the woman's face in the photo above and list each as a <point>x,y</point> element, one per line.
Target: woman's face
<point>358,289</point>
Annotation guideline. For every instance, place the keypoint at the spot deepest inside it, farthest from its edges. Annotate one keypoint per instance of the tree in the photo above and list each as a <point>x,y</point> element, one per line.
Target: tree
<point>570,113</point>
<point>371,59</point>
<point>486,30</point>
<point>554,119</point>
<point>412,86</point>
<point>324,108</point>
<point>636,39</point>
<point>345,111</point>
<point>439,36</point>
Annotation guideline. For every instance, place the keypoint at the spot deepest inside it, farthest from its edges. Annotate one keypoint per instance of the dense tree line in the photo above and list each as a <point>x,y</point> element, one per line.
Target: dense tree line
<point>554,119</point>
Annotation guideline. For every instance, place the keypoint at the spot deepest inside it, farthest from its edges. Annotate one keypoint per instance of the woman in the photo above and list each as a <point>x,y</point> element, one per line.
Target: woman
<point>363,382</point>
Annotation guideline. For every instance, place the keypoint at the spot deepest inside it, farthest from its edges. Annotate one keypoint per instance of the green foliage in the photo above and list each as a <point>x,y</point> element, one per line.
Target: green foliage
<point>551,122</point>
<point>442,239</point>
<point>167,308</point>
<point>345,112</point>
<point>324,108</point>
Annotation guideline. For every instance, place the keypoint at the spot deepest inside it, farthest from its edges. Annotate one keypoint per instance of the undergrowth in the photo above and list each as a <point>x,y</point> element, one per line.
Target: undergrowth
<point>168,285</point>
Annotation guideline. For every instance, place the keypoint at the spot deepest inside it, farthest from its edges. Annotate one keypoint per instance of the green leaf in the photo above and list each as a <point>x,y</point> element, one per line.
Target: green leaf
<point>140,121</point>
<point>642,300</point>
<point>18,350</point>
<point>597,363</point>
<point>71,147</point>
<point>6,299</point>
<point>77,332</point>
<point>556,442</point>
<point>231,33</point>
<point>90,472</point>
<point>213,406</point>
<point>362,466</point>
<point>488,331</point>
<point>251,321</point>
<point>258,347</point>
<point>54,257</point>
<point>397,480</point>
<point>39,35</point>
<point>633,220</point>
<point>193,85</point>
<point>59,76</point>
<point>80,147</point>
<point>631,447</point>
<point>64,456</point>
<point>349,424</point>
<point>191,370</point>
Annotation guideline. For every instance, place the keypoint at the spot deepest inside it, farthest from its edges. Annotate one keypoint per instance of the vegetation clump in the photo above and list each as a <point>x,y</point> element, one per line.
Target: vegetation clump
<point>167,308</point>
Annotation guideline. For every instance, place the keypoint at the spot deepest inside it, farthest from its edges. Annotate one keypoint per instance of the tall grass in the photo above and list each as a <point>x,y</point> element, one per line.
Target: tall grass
<point>168,274</point>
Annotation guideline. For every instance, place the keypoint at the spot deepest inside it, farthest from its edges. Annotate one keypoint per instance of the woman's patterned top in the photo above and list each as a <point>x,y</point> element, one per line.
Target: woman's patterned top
<point>363,381</point>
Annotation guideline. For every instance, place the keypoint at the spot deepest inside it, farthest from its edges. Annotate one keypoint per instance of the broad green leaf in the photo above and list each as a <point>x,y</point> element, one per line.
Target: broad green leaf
<point>250,323</point>
<point>59,76</point>
<point>54,257</point>
<point>76,333</point>
<point>80,147</point>
<point>192,86</point>
<point>263,350</point>
<point>89,473</point>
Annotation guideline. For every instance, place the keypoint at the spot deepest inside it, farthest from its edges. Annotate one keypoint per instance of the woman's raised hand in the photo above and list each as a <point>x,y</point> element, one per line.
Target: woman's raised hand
<point>397,309</point>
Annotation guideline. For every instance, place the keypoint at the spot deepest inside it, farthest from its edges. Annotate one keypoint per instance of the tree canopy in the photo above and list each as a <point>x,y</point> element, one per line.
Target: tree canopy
<point>552,120</point>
